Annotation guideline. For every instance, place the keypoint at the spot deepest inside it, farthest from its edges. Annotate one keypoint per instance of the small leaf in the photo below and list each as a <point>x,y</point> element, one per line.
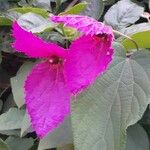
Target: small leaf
<point>118,99</point>
<point>17,83</point>
<point>3,145</point>
<point>11,132</point>
<point>59,137</point>
<point>137,138</point>
<point>24,3</point>
<point>140,33</point>
<point>34,23</point>
<point>43,4</point>
<point>16,143</point>
<point>75,9</point>
<point>38,11</point>
<point>94,9</point>
<point>12,15</point>
<point>12,119</point>
<point>123,14</point>
<point>4,21</point>
<point>26,125</point>
<point>9,102</point>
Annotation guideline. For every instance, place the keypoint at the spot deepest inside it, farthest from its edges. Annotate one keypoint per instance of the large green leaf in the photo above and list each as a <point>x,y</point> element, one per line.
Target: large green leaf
<point>118,99</point>
<point>75,9</point>
<point>3,145</point>
<point>123,14</point>
<point>12,119</point>
<point>94,8</point>
<point>16,143</point>
<point>137,138</point>
<point>17,83</point>
<point>59,137</point>
<point>140,33</point>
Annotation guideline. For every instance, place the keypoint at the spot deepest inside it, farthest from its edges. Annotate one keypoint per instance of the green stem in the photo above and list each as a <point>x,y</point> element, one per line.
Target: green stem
<point>126,36</point>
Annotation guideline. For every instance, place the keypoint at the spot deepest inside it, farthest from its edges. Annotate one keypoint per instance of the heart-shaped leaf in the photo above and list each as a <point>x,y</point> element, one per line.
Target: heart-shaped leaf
<point>122,14</point>
<point>118,99</point>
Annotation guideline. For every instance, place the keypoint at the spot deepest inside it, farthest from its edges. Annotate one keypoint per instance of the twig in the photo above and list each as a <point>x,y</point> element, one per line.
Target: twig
<point>119,33</point>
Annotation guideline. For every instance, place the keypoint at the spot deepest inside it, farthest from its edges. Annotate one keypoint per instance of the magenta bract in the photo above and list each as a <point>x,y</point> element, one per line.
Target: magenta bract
<point>63,72</point>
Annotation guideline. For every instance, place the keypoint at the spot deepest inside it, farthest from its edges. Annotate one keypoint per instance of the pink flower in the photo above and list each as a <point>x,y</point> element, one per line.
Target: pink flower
<point>62,73</point>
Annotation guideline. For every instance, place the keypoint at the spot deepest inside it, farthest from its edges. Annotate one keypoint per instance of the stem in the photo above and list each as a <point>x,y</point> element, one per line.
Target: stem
<point>119,33</point>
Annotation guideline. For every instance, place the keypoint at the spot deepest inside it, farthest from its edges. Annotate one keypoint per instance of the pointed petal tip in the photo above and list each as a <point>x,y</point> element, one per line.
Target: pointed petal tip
<point>47,102</point>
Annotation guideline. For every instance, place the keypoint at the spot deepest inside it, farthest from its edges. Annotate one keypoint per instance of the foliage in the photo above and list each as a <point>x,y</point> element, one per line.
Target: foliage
<point>112,114</point>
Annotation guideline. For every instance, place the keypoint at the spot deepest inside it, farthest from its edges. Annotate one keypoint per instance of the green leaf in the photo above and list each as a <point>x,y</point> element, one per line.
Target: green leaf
<point>3,145</point>
<point>24,3</point>
<point>94,9</point>
<point>123,14</point>
<point>75,9</point>
<point>141,38</point>
<point>137,138</point>
<point>140,33</point>
<point>59,137</point>
<point>38,11</point>
<point>66,147</point>
<point>16,143</point>
<point>5,21</point>
<point>12,119</point>
<point>12,15</point>
<point>9,102</point>
<point>17,83</point>
<point>35,23</point>
<point>45,4</point>
<point>26,125</point>
<point>118,99</point>
<point>11,132</point>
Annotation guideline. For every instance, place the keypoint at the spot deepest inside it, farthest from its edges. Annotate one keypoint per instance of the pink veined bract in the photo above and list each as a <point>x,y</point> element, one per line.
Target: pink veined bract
<point>62,72</point>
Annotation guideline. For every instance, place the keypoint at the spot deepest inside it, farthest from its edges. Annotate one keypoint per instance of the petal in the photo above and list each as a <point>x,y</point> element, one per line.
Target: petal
<point>33,46</point>
<point>47,97</point>
<point>87,25</point>
<point>89,57</point>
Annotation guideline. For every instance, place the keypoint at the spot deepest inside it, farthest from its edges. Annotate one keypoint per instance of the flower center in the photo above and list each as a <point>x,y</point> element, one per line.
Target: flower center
<point>101,37</point>
<point>55,60</point>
